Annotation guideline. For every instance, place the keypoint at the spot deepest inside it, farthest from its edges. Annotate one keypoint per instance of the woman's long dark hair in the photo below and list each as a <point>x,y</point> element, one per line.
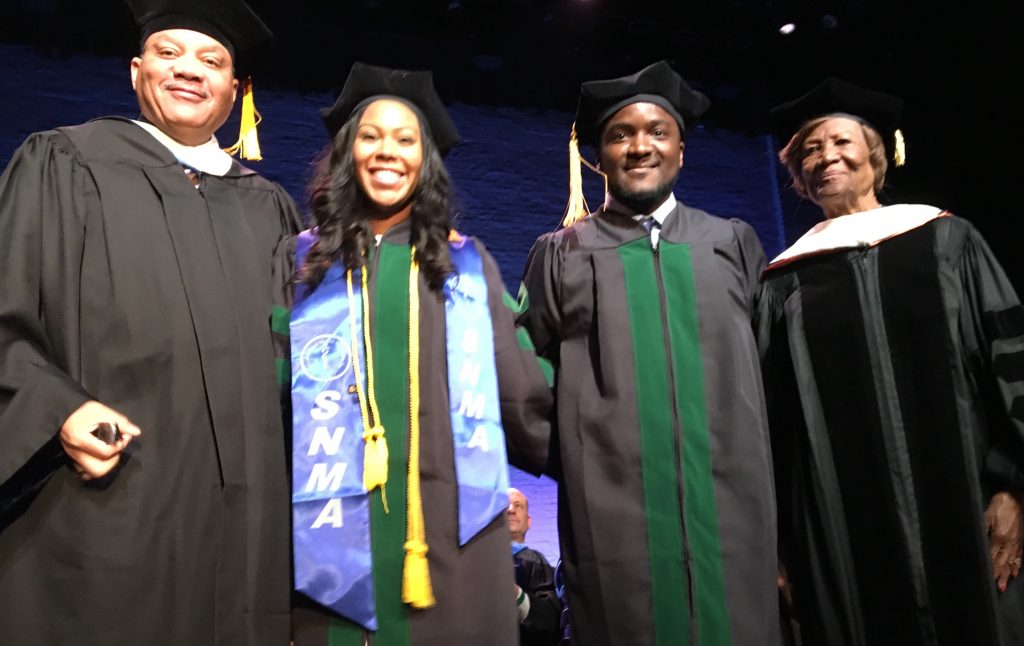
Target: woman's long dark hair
<point>341,212</point>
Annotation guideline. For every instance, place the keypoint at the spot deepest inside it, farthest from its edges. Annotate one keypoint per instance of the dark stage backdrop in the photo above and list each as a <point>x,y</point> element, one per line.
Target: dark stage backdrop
<point>510,172</point>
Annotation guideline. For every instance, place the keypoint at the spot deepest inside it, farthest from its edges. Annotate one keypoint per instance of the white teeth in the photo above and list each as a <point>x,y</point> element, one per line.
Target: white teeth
<point>386,176</point>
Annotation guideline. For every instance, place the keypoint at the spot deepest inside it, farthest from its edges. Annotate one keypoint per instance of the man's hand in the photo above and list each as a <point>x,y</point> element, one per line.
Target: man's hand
<point>1004,520</point>
<point>92,457</point>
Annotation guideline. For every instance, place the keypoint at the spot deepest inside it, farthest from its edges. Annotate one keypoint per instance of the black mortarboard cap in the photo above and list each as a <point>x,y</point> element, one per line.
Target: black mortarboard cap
<point>835,96</point>
<point>231,22</point>
<point>415,88</point>
<point>657,83</point>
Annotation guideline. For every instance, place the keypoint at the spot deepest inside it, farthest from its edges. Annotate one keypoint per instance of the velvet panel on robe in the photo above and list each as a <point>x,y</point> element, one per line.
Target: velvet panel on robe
<point>895,383</point>
<point>473,584</point>
<point>666,506</point>
<point>121,282</point>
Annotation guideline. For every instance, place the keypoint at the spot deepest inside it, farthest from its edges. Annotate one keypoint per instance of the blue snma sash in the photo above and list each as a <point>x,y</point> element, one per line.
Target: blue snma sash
<point>330,508</point>
<point>480,462</point>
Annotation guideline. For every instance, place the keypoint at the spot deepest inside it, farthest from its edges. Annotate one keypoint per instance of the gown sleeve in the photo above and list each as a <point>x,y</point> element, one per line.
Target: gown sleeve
<point>44,193</point>
<point>280,319</point>
<point>782,401</point>
<point>524,389</point>
<point>288,211</point>
<point>539,296</point>
<point>752,259</point>
<point>992,329</point>
<point>283,270</point>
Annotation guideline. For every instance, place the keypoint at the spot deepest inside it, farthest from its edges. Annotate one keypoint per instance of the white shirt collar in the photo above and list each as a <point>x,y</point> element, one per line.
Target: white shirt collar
<point>864,229</point>
<point>659,214</point>
<point>206,158</point>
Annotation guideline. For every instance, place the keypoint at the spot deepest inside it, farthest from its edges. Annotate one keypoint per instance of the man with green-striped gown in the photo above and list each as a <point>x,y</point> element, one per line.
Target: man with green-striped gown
<point>666,504</point>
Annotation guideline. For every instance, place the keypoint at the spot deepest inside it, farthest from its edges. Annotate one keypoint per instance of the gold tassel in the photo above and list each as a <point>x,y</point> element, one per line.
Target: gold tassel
<point>900,154</point>
<point>375,458</point>
<point>416,588</point>
<point>577,208</point>
<point>248,145</point>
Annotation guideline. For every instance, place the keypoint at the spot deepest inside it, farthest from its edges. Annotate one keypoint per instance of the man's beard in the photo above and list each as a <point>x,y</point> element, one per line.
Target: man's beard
<point>643,202</point>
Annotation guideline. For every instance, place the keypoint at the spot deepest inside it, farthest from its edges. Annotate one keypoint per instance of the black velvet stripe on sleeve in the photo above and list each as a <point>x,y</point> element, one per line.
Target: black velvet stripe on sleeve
<point>1004,324</point>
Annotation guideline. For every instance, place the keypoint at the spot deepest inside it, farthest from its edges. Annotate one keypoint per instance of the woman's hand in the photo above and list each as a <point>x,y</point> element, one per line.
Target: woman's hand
<point>1004,520</point>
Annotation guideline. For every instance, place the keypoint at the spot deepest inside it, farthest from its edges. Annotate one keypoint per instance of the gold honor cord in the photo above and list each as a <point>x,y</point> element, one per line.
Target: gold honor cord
<point>375,455</point>
<point>416,589</point>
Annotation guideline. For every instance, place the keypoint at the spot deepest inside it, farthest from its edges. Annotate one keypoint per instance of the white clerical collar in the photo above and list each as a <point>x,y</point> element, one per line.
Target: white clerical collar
<point>858,230</point>
<point>659,214</point>
<point>205,158</point>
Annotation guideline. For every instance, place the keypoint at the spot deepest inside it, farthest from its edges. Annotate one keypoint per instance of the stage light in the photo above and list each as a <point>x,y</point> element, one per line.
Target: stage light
<point>787,29</point>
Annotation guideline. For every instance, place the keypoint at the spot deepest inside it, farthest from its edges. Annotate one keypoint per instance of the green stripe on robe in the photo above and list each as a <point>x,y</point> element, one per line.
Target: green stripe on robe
<point>699,493</point>
<point>523,337</point>
<point>390,318</point>
<point>669,593</point>
<point>280,320</point>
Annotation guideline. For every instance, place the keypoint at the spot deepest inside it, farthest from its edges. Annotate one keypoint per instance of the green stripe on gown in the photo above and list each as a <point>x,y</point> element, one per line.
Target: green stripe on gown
<point>669,592</point>
<point>699,493</point>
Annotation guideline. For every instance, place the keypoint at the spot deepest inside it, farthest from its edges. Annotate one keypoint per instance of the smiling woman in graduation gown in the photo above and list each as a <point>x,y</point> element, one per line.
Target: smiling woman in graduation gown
<point>384,340</point>
<point>892,346</point>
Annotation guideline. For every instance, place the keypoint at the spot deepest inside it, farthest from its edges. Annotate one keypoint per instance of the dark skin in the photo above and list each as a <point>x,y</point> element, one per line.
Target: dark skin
<point>388,156</point>
<point>383,220</point>
<point>641,153</point>
<point>1005,526</point>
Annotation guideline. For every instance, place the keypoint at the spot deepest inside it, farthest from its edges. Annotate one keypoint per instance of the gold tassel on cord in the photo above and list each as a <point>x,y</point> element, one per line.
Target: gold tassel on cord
<point>375,451</point>
<point>375,459</point>
<point>577,208</point>
<point>248,145</point>
<point>899,155</point>
<point>416,588</point>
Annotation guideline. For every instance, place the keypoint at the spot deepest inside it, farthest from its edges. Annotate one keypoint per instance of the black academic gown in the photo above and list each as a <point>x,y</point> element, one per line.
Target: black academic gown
<point>666,508</point>
<point>895,382</point>
<point>121,282</point>
<point>536,578</point>
<point>473,584</point>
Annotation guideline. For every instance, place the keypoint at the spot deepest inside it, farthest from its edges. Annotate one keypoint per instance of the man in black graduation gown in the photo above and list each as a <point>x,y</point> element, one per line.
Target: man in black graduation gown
<point>135,290</point>
<point>666,512</point>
